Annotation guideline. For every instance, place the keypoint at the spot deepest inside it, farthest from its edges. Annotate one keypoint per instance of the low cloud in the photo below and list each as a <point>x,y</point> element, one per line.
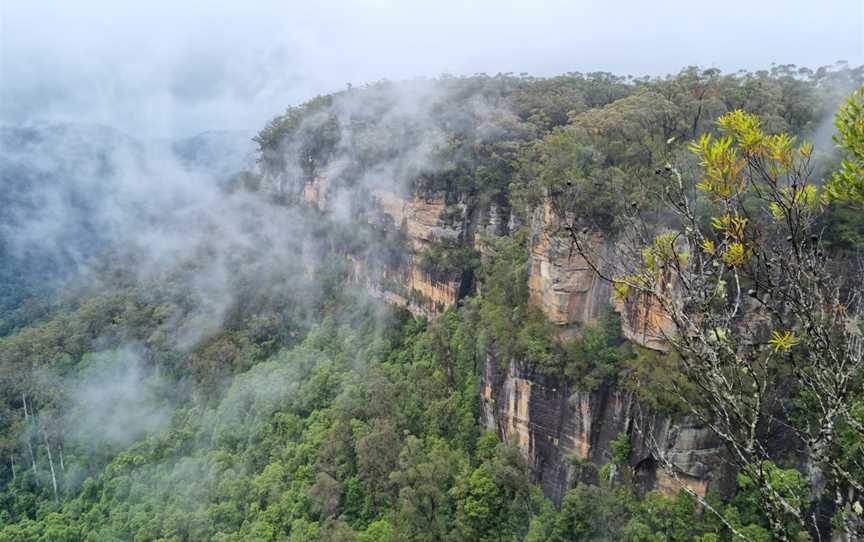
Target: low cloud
<point>116,399</point>
<point>165,68</point>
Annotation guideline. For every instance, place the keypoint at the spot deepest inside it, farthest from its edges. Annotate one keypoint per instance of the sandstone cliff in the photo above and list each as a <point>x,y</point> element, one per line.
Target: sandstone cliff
<point>558,427</point>
<point>419,219</point>
<point>316,193</point>
<point>644,322</point>
<point>402,281</point>
<point>561,282</point>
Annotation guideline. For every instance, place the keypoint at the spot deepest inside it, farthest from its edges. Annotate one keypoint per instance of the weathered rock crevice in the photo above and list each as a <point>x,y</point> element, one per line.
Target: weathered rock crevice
<point>400,280</point>
<point>561,429</point>
<point>563,432</point>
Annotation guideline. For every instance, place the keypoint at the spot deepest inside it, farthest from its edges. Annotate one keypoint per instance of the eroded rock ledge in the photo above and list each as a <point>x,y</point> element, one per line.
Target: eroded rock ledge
<point>557,425</point>
<point>402,281</point>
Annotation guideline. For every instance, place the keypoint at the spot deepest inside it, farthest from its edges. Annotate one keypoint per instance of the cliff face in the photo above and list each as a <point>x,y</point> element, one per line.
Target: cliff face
<point>560,281</point>
<point>557,427</point>
<point>644,322</point>
<point>316,193</point>
<point>565,286</point>
<point>402,281</point>
<point>419,219</point>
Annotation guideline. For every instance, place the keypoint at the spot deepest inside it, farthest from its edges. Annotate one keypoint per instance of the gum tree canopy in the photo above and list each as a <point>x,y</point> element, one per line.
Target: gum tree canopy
<point>765,326</point>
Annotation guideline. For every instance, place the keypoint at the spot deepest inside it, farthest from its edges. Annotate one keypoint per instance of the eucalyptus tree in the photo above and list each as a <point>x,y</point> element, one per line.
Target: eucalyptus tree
<point>764,325</point>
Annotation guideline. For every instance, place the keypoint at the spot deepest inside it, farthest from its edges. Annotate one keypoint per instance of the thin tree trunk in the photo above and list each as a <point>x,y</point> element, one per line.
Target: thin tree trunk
<point>51,463</point>
<point>62,467</point>
<point>29,439</point>
<point>12,462</point>
<point>32,458</point>
<point>696,120</point>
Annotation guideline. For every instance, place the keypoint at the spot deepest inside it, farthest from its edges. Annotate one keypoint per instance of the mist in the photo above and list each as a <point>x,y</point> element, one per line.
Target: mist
<point>115,400</point>
<point>164,69</point>
<point>274,269</point>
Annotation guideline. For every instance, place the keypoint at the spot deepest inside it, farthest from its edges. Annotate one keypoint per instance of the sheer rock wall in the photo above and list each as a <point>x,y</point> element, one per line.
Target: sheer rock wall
<point>563,431</point>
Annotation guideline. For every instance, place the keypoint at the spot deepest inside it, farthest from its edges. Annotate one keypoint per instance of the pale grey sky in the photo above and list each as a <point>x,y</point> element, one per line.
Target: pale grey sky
<point>165,68</point>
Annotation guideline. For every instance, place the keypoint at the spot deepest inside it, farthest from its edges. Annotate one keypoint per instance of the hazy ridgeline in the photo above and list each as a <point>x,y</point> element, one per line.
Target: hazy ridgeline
<point>185,357</point>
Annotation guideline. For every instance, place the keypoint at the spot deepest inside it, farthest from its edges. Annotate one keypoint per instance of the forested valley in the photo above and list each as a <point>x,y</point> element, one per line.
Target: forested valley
<point>489,308</point>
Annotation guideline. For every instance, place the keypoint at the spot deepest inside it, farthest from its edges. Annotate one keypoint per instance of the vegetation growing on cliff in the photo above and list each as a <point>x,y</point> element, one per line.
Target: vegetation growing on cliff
<point>364,430</point>
<point>767,326</point>
<point>283,403</point>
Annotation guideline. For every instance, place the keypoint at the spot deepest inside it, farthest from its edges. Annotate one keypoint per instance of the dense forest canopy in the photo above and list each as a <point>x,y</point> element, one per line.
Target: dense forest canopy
<point>212,369</point>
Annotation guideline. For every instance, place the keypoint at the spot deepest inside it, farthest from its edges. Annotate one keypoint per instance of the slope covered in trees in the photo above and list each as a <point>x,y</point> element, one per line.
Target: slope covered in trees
<point>219,372</point>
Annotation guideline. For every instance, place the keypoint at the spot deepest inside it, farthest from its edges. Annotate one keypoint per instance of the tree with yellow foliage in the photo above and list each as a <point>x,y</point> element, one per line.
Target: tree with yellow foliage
<point>765,325</point>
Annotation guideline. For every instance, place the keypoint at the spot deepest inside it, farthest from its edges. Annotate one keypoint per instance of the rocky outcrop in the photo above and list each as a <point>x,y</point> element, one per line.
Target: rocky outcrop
<point>644,322</point>
<point>316,193</point>
<point>563,432</point>
<point>419,219</point>
<point>408,286</point>
<point>561,429</point>
<point>435,295</point>
<point>563,284</point>
<point>567,289</point>
<point>560,280</point>
<point>399,279</point>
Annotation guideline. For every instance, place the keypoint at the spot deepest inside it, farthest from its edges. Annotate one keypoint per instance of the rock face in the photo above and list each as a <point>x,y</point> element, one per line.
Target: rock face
<point>557,427</point>
<point>565,286</point>
<point>561,282</point>
<point>316,193</point>
<point>644,322</point>
<point>406,285</point>
<point>560,429</point>
<point>419,219</point>
<point>402,281</point>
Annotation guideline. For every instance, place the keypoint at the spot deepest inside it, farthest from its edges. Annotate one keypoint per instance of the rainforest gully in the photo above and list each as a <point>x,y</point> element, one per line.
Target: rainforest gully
<point>492,307</point>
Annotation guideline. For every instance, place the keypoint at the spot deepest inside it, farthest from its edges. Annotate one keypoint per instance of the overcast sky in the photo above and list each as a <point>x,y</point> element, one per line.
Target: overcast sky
<point>164,68</point>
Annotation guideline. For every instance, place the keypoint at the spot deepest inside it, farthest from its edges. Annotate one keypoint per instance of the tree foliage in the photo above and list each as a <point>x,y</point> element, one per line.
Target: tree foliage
<point>310,412</point>
<point>766,327</point>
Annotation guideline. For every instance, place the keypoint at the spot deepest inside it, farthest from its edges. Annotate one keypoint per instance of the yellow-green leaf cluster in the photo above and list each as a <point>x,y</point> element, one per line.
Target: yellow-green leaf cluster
<point>624,287</point>
<point>731,226</point>
<point>620,290</point>
<point>809,198</point>
<point>744,144</point>
<point>746,129</point>
<point>663,252</point>
<point>737,254</point>
<point>723,166</point>
<point>783,342</point>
